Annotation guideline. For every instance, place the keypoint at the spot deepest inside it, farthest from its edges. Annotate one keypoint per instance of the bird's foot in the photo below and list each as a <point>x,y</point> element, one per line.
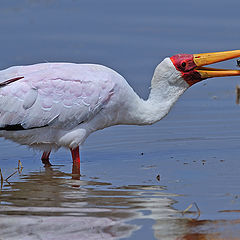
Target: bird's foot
<point>46,162</point>
<point>45,159</point>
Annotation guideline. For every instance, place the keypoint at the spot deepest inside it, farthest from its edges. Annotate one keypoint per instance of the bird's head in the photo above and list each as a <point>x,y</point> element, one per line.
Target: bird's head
<point>192,70</point>
<point>176,74</point>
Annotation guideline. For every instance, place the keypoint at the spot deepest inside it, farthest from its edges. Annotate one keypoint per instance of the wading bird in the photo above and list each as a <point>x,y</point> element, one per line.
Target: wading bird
<point>53,105</point>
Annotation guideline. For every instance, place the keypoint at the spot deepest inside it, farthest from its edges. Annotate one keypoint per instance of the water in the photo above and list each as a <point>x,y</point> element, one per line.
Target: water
<point>194,150</point>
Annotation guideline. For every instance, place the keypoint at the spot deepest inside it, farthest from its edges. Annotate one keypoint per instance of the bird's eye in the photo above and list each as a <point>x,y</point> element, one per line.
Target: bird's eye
<point>184,64</point>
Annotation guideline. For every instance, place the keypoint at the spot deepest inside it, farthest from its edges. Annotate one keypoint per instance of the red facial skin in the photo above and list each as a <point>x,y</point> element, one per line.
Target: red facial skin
<point>185,64</point>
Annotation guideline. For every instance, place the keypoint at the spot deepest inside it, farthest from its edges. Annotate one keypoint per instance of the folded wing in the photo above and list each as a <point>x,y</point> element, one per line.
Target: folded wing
<point>59,95</point>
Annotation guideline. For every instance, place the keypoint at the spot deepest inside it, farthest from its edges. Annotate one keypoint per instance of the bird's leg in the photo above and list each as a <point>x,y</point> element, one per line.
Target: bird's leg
<point>76,162</point>
<point>45,159</point>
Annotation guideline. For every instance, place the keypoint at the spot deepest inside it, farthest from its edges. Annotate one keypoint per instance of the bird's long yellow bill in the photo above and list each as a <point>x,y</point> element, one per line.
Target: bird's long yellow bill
<point>210,58</point>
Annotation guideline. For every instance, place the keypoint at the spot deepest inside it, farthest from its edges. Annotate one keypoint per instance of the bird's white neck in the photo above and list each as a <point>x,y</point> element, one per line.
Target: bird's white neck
<point>166,88</point>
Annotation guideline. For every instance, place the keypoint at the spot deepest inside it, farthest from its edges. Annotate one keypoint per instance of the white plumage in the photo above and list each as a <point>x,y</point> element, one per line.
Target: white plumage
<point>58,97</point>
<point>60,104</point>
<point>53,105</point>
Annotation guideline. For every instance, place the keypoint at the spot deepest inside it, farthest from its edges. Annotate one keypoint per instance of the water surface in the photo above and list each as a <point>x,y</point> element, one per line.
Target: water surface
<point>136,181</point>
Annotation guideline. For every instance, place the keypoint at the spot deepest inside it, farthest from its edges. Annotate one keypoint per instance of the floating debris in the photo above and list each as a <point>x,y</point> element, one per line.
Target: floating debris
<point>20,167</point>
<point>203,162</point>
<point>237,94</point>
<point>10,175</point>
<point>190,206</point>
<point>229,211</point>
<point>1,178</point>
<point>214,97</point>
<point>158,177</point>
<point>148,166</point>
<point>238,62</point>
<point>19,170</point>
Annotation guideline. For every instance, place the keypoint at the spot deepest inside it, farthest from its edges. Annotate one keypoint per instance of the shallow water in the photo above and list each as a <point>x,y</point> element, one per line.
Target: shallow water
<point>136,181</point>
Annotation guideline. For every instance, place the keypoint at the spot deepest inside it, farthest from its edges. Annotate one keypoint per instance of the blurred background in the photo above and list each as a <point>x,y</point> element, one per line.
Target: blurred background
<point>194,150</point>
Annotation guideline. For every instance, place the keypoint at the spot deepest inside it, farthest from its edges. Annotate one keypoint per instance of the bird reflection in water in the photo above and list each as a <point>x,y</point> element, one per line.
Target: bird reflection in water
<point>210,230</point>
<point>48,204</point>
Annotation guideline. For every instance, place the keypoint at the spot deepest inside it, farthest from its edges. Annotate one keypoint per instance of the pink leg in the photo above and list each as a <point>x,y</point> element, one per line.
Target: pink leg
<point>76,161</point>
<point>45,159</point>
